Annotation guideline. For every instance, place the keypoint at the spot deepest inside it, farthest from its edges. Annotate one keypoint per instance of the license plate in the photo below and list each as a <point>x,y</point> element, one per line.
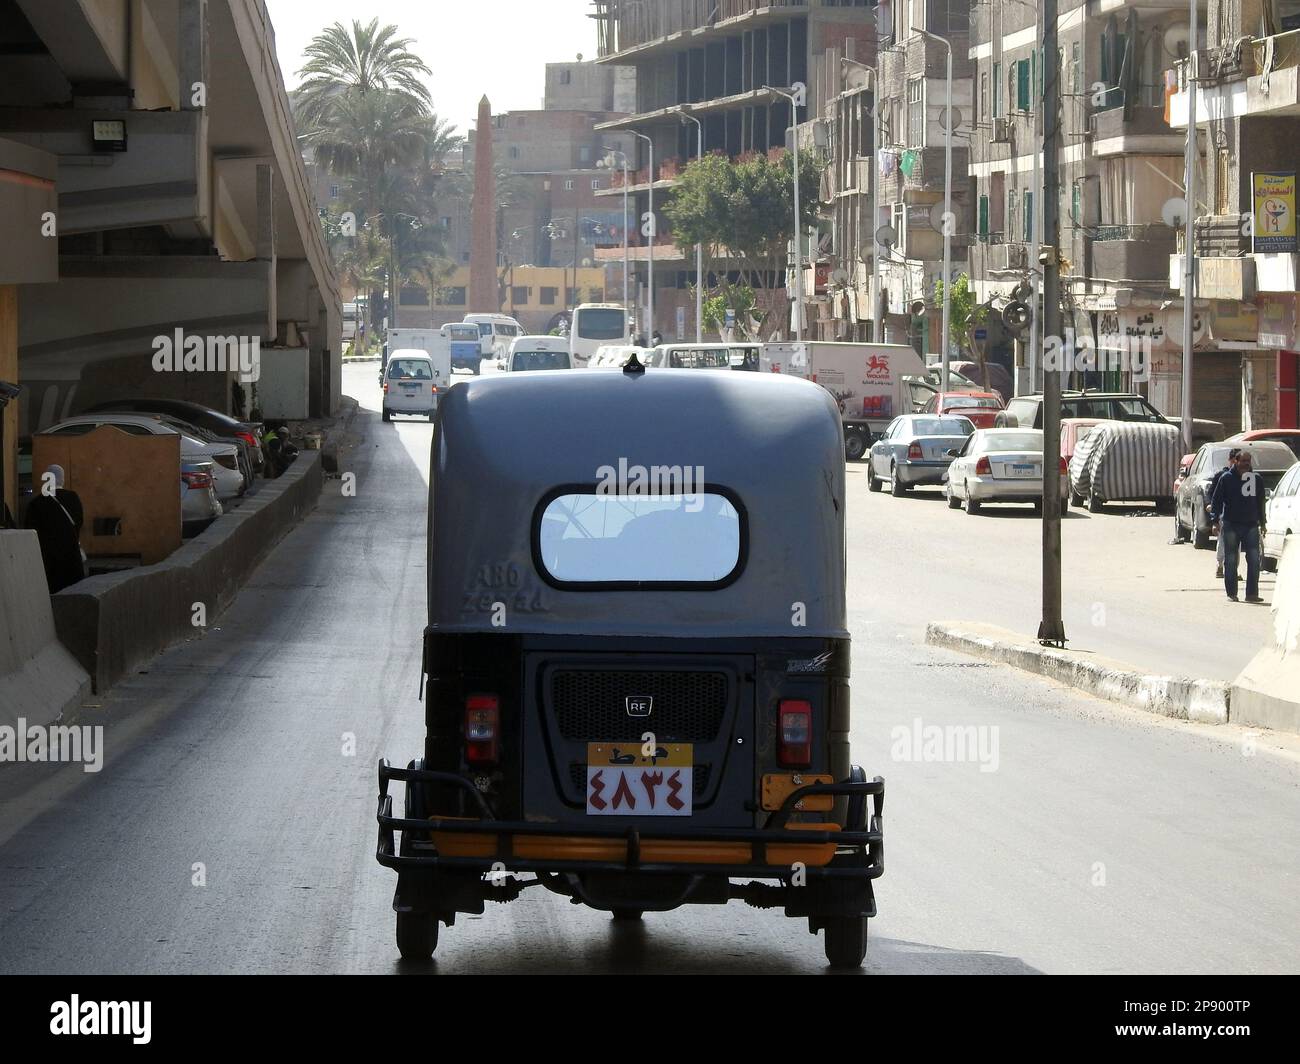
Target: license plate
<point>410,389</point>
<point>1020,470</point>
<point>639,779</point>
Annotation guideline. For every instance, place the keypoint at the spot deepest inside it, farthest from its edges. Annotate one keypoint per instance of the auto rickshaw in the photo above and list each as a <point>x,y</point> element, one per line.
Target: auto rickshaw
<point>636,662</point>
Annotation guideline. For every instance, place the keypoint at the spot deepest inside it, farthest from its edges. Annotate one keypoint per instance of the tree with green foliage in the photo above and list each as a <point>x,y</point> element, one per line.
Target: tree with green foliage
<point>965,312</point>
<point>742,212</point>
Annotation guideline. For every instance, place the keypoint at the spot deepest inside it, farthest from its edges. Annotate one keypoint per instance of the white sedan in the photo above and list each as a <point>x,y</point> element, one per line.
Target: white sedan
<point>224,457</point>
<point>1000,465</point>
<point>1283,517</point>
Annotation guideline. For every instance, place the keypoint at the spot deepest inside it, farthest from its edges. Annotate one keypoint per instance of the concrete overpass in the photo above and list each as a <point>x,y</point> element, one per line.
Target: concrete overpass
<point>162,131</point>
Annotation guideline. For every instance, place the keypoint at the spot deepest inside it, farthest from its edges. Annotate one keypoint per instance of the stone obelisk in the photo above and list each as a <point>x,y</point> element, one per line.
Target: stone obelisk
<point>484,297</point>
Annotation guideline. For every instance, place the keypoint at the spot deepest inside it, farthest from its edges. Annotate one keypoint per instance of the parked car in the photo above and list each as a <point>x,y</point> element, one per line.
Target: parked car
<point>1026,411</point>
<point>983,408</point>
<point>1184,467</point>
<point>999,465</point>
<point>1204,429</point>
<point>615,356</point>
<point>1283,517</point>
<point>199,503</point>
<point>223,457</point>
<point>999,380</point>
<point>1271,460</point>
<point>225,427</point>
<point>1124,461</point>
<point>1074,430</point>
<point>915,450</point>
<point>1291,437</point>
<point>921,387</point>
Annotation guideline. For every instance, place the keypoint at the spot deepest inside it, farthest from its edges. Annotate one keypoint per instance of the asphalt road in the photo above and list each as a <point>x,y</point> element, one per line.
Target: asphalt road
<point>1128,593</point>
<point>232,828</point>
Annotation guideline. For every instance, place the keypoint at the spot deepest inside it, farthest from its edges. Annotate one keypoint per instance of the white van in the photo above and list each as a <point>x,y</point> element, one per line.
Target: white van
<point>706,356</point>
<point>412,380</point>
<point>496,333</point>
<point>538,352</point>
<point>615,356</point>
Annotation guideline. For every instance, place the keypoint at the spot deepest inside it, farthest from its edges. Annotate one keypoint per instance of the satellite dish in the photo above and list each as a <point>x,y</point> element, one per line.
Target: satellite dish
<point>1175,40</point>
<point>840,276</point>
<point>1174,212</point>
<point>886,236</point>
<point>956,118</point>
<point>579,57</point>
<point>857,78</point>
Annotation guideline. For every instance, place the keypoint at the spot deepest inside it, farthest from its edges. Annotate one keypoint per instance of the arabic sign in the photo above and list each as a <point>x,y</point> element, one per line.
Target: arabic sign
<point>1234,321</point>
<point>632,779</point>
<point>1277,320</point>
<point>1273,196</point>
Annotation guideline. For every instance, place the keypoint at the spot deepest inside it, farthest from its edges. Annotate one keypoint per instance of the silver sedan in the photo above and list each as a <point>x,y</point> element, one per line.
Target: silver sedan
<point>914,450</point>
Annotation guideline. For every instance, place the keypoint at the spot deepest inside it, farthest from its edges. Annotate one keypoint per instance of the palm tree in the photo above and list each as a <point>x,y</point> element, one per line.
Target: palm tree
<point>364,59</point>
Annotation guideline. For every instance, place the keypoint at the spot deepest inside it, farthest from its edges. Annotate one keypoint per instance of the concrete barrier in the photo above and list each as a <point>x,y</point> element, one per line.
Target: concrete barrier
<point>39,678</point>
<point>1267,691</point>
<point>114,624</point>
<point>1168,696</point>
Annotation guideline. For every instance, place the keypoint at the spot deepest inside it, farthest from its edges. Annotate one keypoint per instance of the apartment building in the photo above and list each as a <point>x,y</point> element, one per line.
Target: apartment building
<point>1247,76</point>
<point>714,60</point>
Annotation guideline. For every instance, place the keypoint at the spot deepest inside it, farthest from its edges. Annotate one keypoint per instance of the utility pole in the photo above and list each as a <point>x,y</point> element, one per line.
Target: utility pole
<point>1051,630</point>
<point>1189,239</point>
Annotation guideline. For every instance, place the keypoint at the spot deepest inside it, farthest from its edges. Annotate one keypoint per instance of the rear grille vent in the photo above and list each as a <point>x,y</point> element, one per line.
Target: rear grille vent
<point>686,706</point>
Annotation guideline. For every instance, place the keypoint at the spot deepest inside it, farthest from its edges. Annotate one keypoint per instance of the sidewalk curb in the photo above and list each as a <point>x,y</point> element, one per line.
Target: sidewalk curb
<point>1205,701</point>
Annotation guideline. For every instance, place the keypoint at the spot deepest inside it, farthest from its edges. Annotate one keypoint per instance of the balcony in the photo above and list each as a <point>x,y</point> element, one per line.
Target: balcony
<point>1265,82</point>
<point>1143,132</point>
<point>1132,252</point>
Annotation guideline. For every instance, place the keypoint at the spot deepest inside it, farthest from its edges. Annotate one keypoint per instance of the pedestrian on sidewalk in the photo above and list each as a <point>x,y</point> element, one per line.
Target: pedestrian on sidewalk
<point>1233,455</point>
<point>55,514</point>
<point>1237,505</point>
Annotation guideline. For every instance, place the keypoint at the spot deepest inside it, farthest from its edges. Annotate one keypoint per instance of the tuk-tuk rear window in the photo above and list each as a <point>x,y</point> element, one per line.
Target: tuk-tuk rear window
<point>593,540</point>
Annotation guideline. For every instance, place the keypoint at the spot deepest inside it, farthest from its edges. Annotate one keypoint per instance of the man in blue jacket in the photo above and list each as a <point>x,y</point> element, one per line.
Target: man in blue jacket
<point>1237,505</point>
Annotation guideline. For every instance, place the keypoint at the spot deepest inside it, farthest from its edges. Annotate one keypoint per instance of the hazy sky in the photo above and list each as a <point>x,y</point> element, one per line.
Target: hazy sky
<point>498,47</point>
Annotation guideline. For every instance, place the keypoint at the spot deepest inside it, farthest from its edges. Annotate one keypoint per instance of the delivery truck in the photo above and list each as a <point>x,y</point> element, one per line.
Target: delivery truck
<point>867,381</point>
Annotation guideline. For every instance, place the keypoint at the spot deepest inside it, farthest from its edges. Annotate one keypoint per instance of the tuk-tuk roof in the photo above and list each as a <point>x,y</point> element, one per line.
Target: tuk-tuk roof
<point>505,445</point>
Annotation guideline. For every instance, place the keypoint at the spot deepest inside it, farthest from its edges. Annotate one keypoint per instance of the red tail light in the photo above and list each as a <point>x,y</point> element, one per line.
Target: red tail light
<point>385,387</point>
<point>915,451</point>
<point>197,480</point>
<point>482,729</point>
<point>248,438</point>
<point>794,741</point>
<point>984,468</point>
<point>1065,467</point>
<point>433,388</point>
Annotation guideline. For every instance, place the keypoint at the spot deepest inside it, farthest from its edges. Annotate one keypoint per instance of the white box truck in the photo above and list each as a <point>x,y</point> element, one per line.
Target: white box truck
<point>865,379</point>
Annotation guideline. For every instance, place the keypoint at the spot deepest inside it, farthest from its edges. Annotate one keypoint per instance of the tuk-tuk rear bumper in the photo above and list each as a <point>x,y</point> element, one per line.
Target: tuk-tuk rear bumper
<point>855,852</point>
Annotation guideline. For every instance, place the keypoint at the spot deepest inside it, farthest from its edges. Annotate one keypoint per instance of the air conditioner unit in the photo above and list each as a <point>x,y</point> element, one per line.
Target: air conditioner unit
<point>1001,131</point>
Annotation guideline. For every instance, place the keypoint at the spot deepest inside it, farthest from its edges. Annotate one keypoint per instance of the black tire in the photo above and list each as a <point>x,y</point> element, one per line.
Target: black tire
<point>1201,538</point>
<point>846,941</point>
<point>1096,504</point>
<point>387,416</point>
<point>896,487</point>
<point>872,483</point>
<point>854,446</point>
<point>954,503</point>
<point>972,507</point>
<point>1075,498</point>
<point>417,936</point>
<point>627,916</point>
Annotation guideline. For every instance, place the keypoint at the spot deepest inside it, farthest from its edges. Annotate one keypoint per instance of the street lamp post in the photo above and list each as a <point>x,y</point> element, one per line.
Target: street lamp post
<point>877,308</point>
<point>793,96</point>
<point>608,163</point>
<point>699,248</point>
<point>650,293</point>
<point>948,221</point>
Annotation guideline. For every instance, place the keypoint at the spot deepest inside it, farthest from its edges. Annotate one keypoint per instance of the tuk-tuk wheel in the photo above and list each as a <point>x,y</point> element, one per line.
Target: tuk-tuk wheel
<point>846,940</point>
<point>417,936</point>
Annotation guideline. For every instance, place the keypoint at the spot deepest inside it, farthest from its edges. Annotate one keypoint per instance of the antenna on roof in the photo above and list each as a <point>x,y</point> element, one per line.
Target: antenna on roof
<point>633,365</point>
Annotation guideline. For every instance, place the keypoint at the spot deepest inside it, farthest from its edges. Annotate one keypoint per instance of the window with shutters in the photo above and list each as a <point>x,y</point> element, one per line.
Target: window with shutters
<point>1029,217</point>
<point>1022,85</point>
<point>915,113</point>
<point>997,90</point>
<point>984,218</point>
